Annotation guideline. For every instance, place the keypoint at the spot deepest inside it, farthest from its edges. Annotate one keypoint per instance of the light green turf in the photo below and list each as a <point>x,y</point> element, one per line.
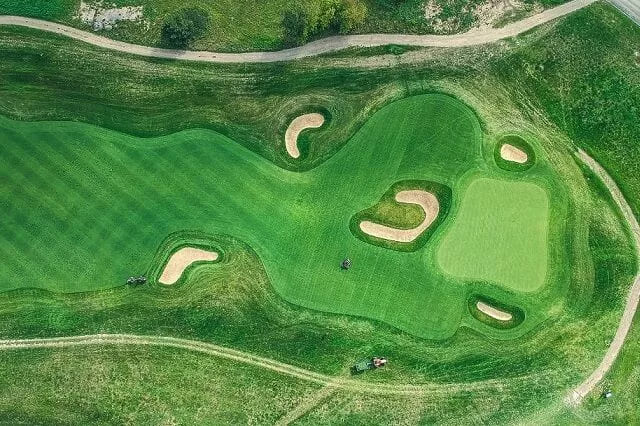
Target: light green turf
<point>499,235</point>
<point>85,208</point>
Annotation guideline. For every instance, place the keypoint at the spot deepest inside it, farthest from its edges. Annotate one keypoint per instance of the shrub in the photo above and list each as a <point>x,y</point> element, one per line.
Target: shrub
<point>351,14</point>
<point>296,26</point>
<point>184,27</point>
<point>320,17</point>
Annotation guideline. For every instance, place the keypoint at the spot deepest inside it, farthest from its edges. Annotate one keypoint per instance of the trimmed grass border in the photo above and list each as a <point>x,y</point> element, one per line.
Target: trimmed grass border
<point>520,143</point>
<point>175,242</point>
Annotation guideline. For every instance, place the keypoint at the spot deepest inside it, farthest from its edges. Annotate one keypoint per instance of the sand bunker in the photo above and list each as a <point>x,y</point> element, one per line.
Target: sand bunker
<point>181,259</point>
<point>424,199</point>
<point>306,121</point>
<point>493,312</point>
<point>511,153</point>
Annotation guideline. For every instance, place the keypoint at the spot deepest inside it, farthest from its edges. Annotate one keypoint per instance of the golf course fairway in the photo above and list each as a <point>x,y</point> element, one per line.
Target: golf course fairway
<point>90,207</point>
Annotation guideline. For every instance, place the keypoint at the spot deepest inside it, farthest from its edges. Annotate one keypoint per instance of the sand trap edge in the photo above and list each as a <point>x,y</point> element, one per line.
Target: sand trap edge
<point>514,154</point>
<point>426,200</point>
<point>305,121</point>
<point>181,260</point>
<point>493,312</point>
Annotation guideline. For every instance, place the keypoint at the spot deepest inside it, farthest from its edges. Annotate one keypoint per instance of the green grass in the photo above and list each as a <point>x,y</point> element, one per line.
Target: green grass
<point>403,216</point>
<point>589,90</point>
<point>233,302</point>
<point>93,207</point>
<point>45,9</point>
<point>499,235</point>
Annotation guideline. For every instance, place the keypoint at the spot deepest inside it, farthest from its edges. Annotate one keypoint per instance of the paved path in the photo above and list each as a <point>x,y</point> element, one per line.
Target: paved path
<point>576,396</point>
<point>631,8</point>
<point>318,47</point>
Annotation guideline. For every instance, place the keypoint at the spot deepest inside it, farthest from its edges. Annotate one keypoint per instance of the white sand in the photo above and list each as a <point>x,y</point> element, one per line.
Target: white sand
<point>181,259</point>
<point>101,18</point>
<point>511,153</point>
<point>424,199</point>
<point>305,121</point>
<point>493,312</point>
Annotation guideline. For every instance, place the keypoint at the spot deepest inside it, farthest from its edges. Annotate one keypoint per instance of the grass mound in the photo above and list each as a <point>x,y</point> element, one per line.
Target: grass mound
<point>520,143</point>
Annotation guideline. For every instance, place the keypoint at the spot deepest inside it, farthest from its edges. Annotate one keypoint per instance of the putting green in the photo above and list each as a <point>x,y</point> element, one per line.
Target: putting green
<point>500,235</point>
<point>84,208</point>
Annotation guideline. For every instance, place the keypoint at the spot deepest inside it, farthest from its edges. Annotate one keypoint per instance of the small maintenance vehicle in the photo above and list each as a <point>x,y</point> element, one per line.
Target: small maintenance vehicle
<point>368,364</point>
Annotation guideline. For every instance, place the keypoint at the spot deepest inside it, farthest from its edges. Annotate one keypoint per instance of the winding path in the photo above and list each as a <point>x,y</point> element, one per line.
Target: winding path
<point>314,48</point>
<point>577,395</point>
<point>239,356</point>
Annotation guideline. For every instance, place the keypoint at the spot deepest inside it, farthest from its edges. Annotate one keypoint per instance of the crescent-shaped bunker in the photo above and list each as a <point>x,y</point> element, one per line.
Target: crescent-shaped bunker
<point>305,121</point>
<point>424,199</point>
<point>181,259</point>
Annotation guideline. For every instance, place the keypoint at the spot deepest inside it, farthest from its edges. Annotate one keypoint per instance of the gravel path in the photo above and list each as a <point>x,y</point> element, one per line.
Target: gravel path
<point>318,47</point>
<point>631,8</point>
<point>576,396</point>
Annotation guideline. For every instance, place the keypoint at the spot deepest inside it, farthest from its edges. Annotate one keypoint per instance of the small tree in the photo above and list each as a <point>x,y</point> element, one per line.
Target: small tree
<point>296,26</point>
<point>351,14</point>
<point>184,27</point>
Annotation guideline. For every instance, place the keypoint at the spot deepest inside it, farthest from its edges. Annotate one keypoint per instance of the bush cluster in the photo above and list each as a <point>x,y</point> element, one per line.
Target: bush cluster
<point>333,16</point>
<point>184,27</point>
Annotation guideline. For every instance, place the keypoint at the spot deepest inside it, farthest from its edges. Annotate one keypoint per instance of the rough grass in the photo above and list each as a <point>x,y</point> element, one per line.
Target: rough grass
<point>140,385</point>
<point>590,90</point>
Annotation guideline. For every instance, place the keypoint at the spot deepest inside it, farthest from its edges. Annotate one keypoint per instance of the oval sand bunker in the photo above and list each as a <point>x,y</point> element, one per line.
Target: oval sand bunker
<point>181,259</point>
<point>306,121</point>
<point>493,312</point>
<point>424,199</point>
<point>511,153</point>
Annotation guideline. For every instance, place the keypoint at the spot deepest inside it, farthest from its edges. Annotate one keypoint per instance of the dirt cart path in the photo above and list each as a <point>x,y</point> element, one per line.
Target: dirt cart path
<point>576,396</point>
<point>318,47</point>
<point>345,383</point>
